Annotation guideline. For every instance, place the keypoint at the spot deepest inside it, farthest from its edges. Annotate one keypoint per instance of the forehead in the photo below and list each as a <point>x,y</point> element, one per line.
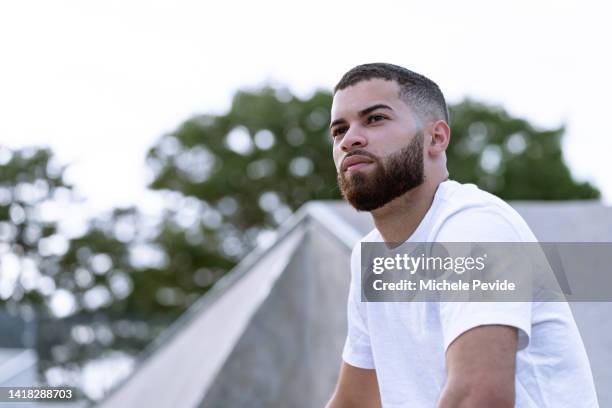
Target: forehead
<point>364,94</point>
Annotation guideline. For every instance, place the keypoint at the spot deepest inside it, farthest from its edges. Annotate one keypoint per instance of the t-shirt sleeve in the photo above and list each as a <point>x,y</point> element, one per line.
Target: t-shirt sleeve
<point>357,351</point>
<point>457,317</point>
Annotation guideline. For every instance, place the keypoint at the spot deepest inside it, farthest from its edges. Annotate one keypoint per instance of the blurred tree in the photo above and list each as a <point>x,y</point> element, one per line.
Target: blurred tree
<point>509,157</point>
<point>30,243</point>
<point>129,276</point>
<point>251,167</point>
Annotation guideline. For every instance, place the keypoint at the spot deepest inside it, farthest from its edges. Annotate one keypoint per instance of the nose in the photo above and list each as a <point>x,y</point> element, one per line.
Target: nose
<point>353,139</point>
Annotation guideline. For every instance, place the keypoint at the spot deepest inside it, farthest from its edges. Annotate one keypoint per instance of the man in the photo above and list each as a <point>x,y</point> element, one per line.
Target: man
<point>390,130</point>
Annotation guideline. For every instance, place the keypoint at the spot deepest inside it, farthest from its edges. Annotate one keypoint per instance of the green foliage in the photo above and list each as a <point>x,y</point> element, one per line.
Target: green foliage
<point>29,179</point>
<point>509,157</point>
<point>266,157</point>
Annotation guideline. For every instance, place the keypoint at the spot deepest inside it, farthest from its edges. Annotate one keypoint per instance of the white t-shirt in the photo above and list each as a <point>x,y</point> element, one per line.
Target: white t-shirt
<point>406,341</point>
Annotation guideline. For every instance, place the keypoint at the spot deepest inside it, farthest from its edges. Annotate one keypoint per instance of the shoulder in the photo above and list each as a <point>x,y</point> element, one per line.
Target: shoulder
<point>470,214</point>
<point>372,236</point>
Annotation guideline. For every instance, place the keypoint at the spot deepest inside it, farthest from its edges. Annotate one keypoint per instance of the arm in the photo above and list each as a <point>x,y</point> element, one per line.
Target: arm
<point>357,387</point>
<point>480,367</point>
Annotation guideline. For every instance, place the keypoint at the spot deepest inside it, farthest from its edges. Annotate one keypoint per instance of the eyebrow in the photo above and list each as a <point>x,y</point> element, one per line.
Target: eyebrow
<point>362,113</point>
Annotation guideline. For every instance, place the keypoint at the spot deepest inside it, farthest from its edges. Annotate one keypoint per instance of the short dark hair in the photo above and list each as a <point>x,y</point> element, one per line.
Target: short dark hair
<point>419,92</point>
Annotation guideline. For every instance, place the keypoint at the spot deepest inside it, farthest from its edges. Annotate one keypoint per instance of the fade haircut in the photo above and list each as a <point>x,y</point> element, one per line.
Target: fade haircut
<point>418,91</point>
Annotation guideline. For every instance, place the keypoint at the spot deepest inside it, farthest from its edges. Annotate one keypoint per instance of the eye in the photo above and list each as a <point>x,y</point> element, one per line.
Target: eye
<point>340,130</point>
<point>375,118</point>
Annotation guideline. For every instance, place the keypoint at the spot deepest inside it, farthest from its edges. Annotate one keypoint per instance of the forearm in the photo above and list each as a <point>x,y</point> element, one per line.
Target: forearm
<point>356,388</point>
<point>475,396</point>
<point>353,400</point>
<point>332,403</point>
<point>480,368</point>
<point>336,402</point>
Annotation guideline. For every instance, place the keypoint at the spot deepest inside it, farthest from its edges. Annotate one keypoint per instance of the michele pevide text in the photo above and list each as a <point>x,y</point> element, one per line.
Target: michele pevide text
<point>444,285</point>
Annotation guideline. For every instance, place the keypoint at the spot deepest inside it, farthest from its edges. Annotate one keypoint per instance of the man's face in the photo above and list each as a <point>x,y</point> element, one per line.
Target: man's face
<point>378,144</point>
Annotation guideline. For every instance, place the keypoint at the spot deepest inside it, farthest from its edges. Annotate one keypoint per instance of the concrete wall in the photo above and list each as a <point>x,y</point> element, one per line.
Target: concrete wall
<point>289,355</point>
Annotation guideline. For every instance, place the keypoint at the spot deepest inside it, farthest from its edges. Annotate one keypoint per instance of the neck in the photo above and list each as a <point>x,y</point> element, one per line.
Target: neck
<point>398,219</point>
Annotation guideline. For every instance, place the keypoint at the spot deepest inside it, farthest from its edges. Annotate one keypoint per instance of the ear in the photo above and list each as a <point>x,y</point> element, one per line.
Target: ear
<point>440,137</point>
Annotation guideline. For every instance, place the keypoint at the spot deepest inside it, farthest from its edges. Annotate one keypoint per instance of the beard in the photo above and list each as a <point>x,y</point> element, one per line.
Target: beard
<point>391,177</point>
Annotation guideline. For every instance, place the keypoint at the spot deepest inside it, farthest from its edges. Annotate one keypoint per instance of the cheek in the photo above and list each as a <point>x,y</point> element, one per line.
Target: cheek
<point>337,155</point>
<point>390,140</point>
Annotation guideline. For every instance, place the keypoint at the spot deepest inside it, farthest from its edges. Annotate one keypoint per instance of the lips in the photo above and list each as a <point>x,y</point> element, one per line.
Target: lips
<point>355,162</point>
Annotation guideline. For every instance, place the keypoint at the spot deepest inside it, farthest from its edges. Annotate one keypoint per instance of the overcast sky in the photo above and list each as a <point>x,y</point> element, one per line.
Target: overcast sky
<point>100,82</point>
